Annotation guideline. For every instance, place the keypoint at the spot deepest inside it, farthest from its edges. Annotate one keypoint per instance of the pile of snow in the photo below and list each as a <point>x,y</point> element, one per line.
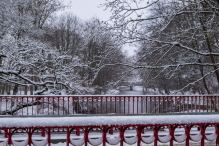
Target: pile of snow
<point>112,92</point>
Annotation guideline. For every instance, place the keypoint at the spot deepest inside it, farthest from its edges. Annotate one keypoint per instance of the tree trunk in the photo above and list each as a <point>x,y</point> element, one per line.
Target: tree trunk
<point>204,29</point>
<point>15,90</point>
<point>3,89</point>
<point>202,74</point>
<point>25,89</point>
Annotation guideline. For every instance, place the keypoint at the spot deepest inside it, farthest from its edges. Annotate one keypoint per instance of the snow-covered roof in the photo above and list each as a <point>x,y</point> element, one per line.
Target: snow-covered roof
<point>105,120</point>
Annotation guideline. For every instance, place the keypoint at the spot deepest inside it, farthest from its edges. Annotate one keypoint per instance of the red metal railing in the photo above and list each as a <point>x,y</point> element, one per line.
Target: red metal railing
<point>138,138</point>
<point>101,104</point>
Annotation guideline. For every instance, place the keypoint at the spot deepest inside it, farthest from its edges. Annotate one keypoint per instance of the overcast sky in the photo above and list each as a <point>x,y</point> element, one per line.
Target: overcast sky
<point>86,9</point>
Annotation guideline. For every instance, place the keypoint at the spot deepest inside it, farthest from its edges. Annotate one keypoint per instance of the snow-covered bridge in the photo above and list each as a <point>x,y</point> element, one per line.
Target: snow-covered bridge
<point>128,119</point>
<point>179,129</point>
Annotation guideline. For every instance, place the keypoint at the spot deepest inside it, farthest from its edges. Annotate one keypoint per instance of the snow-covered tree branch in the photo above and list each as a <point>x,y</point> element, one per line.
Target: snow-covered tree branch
<point>178,41</point>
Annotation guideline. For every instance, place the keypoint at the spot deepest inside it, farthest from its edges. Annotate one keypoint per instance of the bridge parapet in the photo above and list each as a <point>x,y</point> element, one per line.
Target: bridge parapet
<point>147,129</point>
<point>102,104</point>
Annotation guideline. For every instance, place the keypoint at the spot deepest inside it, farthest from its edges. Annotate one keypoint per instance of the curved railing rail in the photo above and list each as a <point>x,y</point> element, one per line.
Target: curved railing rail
<point>103,104</point>
<point>139,124</point>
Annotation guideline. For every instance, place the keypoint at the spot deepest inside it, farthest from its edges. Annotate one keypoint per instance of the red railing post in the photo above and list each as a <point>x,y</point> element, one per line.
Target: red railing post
<point>128,105</point>
<point>37,105</point>
<point>111,131</point>
<point>187,104</point>
<point>1,105</point>
<point>115,103</point>
<point>139,136</point>
<point>124,104</point>
<point>22,106</point>
<point>68,137</point>
<point>122,136</point>
<point>110,104</point>
<point>203,135</point>
<point>150,105</point>
<point>82,105</point>
<point>192,104</point>
<point>217,103</point>
<point>133,108</point>
<point>142,105</point>
<point>58,106</point>
<point>6,133</point>
<point>159,104</point>
<point>49,137</point>
<point>104,131</point>
<point>86,132</point>
<point>187,132</point>
<point>155,135</point>
<point>171,102</point>
<point>155,100</point>
<point>78,132</point>
<point>48,103</point>
<point>9,137</point>
<point>106,105</point>
<point>42,105</point>
<point>27,105</point>
<point>43,133</point>
<point>137,104</point>
<point>171,132</point>
<point>207,104</point>
<point>29,137</point>
<point>32,105</point>
<point>92,105</point>
<point>146,98</point>
<point>11,105</point>
<point>217,132</point>
<point>142,131</point>
<point>88,106</point>
<point>73,102</point>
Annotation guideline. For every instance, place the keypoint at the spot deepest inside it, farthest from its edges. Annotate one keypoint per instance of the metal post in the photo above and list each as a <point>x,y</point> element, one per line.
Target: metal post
<point>29,137</point>
<point>9,137</point>
<point>217,131</point>
<point>139,136</point>
<point>49,137</point>
<point>121,136</point>
<point>187,132</point>
<point>86,132</point>
<point>68,137</point>
<point>78,132</point>
<point>6,133</point>
<point>43,133</point>
<point>155,135</point>
<point>171,132</point>
<point>203,134</point>
<point>111,131</point>
<point>104,136</point>
<point>142,131</point>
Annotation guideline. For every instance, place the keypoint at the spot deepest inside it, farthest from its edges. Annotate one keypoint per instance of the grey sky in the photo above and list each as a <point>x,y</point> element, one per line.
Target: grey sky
<point>86,9</point>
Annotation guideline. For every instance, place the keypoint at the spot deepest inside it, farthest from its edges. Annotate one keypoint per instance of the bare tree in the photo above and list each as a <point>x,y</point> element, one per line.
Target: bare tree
<point>177,38</point>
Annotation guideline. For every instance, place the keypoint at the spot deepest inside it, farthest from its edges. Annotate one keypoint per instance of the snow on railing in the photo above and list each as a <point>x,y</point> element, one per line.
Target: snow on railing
<point>146,129</point>
<point>102,104</point>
